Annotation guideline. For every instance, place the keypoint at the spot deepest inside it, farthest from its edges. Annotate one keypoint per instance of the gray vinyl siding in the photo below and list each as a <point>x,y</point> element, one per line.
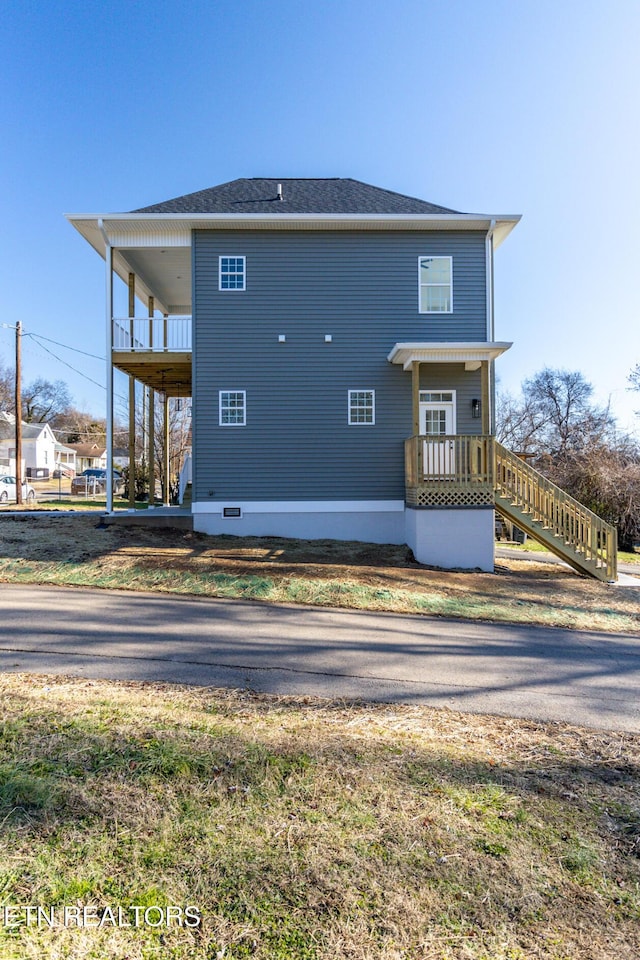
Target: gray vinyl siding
<point>362,289</point>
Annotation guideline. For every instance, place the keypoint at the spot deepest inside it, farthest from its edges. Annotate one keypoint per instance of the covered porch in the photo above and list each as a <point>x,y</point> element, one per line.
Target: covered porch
<point>148,334</point>
<point>449,457</point>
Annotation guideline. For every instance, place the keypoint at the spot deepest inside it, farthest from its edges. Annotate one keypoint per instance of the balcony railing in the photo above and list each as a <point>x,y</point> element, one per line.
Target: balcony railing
<point>155,334</point>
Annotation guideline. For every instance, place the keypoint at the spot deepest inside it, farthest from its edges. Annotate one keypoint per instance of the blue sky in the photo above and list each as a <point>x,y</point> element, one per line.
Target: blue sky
<point>480,105</point>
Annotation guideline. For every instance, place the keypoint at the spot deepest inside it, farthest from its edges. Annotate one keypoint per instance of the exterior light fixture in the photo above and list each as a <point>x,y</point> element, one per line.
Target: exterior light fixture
<point>475,409</point>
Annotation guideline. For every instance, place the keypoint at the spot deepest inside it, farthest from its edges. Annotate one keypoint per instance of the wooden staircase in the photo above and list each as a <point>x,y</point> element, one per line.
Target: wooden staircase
<point>553,518</point>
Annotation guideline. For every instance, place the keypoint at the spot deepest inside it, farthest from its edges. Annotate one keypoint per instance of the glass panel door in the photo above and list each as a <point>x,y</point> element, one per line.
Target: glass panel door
<point>438,456</point>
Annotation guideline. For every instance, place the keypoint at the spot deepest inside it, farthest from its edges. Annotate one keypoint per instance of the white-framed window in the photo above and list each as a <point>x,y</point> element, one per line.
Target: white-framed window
<point>233,408</point>
<point>232,273</point>
<point>362,407</point>
<point>435,284</point>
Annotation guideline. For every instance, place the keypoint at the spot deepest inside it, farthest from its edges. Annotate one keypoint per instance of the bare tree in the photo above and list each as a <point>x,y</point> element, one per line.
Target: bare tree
<point>74,426</point>
<point>634,380</point>
<point>574,442</point>
<point>7,389</point>
<point>555,414</point>
<point>42,400</point>
<point>606,478</point>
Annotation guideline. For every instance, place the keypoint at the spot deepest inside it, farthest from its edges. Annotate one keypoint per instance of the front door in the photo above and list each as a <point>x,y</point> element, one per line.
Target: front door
<point>437,420</point>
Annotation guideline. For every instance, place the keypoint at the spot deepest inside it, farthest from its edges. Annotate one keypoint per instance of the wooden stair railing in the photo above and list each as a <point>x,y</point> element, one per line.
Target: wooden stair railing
<point>553,518</point>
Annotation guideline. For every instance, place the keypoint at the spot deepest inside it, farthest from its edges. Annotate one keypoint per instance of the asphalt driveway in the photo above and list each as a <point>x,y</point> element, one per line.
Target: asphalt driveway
<point>521,671</point>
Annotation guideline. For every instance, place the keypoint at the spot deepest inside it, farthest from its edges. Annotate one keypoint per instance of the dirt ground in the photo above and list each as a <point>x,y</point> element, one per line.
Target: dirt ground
<point>65,548</point>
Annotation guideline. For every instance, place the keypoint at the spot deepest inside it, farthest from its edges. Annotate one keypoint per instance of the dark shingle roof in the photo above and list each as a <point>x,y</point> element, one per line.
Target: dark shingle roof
<point>258,195</point>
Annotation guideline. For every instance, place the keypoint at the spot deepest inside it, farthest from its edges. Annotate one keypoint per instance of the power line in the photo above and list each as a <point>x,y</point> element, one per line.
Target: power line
<point>71,367</point>
<point>38,336</point>
<point>93,356</point>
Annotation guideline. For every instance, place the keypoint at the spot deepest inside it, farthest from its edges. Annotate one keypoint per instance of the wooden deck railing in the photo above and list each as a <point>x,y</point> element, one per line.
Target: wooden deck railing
<point>559,515</point>
<point>459,459</point>
<point>156,334</point>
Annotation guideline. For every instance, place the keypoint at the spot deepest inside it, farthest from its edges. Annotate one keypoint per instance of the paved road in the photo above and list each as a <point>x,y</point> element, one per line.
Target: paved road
<point>585,678</point>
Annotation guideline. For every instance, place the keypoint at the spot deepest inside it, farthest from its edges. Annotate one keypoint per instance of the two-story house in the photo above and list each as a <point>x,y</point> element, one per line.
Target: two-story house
<point>338,342</point>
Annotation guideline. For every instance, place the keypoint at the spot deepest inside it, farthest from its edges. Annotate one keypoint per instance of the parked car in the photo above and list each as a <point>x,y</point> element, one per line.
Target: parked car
<point>94,480</point>
<point>8,490</point>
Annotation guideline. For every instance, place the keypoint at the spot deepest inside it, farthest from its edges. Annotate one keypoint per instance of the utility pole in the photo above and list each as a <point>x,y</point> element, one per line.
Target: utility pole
<point>18,413</point>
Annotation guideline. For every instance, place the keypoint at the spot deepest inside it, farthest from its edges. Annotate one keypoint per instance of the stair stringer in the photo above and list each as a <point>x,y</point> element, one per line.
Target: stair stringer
<point>549,540</point>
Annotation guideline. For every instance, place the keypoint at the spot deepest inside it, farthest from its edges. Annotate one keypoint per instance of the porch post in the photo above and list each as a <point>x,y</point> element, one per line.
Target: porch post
<point>132,399</point>
<point>167,495</point>
<point>415,391</point>
<point>108,258</point>
<point>152,418</point>
<point>486,399</point>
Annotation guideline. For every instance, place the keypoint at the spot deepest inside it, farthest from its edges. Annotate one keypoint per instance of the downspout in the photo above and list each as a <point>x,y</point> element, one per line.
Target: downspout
<point>490,319</point>
<point>108,256</point>
<point>488,243</point>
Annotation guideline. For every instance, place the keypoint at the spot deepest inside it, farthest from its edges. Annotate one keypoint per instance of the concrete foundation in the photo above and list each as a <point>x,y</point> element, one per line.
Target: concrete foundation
<point>452,538</point>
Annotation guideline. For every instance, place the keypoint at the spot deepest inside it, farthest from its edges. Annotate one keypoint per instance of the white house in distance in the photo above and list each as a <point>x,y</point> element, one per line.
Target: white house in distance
<point>38,447</point>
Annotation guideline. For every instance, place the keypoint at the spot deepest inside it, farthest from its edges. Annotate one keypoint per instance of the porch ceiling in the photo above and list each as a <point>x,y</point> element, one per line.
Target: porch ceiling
<point>165,272</point>
<point>471,354</point>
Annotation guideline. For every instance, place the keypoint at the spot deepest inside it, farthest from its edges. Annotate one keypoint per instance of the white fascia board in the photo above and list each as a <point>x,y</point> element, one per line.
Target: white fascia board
<point>174,229</point>
<point>445,352</point>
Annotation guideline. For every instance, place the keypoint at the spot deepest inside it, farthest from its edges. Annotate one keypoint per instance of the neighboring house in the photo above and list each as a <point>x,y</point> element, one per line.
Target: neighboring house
<point>65,459</point>
<point>337,340</point>
<point>38,445</point>
<point>89,456</point>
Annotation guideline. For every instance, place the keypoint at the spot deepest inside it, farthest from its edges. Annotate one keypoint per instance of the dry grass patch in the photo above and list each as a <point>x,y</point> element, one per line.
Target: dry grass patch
<point>83,551</point>
<point>309,829</point>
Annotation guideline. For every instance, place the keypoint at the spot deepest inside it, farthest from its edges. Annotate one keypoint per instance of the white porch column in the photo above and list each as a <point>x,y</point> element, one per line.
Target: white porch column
<point>108,257</point>
<point>132,398</point>
<point>152,418</point>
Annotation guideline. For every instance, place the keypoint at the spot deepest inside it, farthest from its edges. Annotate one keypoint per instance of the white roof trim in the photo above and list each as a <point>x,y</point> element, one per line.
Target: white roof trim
<point>471,354</point>
<point>174,229</point>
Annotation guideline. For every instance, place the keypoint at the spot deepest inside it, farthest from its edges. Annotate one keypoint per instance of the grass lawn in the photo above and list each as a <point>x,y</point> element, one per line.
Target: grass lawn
<point>303,829</point>
<point>70,550</point>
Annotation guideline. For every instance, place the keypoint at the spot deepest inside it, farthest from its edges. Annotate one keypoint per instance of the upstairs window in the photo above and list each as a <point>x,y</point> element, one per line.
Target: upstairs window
<point>233,408</point>
<point>232,273</point>
<point>435,276</point>
<point>362,407</point>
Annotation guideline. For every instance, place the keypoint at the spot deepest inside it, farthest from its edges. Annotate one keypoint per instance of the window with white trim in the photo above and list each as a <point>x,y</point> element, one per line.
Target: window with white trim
<point>233,408</point>
<point>435,284</point>
<point>232,273</point>
<point>362,407</point>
